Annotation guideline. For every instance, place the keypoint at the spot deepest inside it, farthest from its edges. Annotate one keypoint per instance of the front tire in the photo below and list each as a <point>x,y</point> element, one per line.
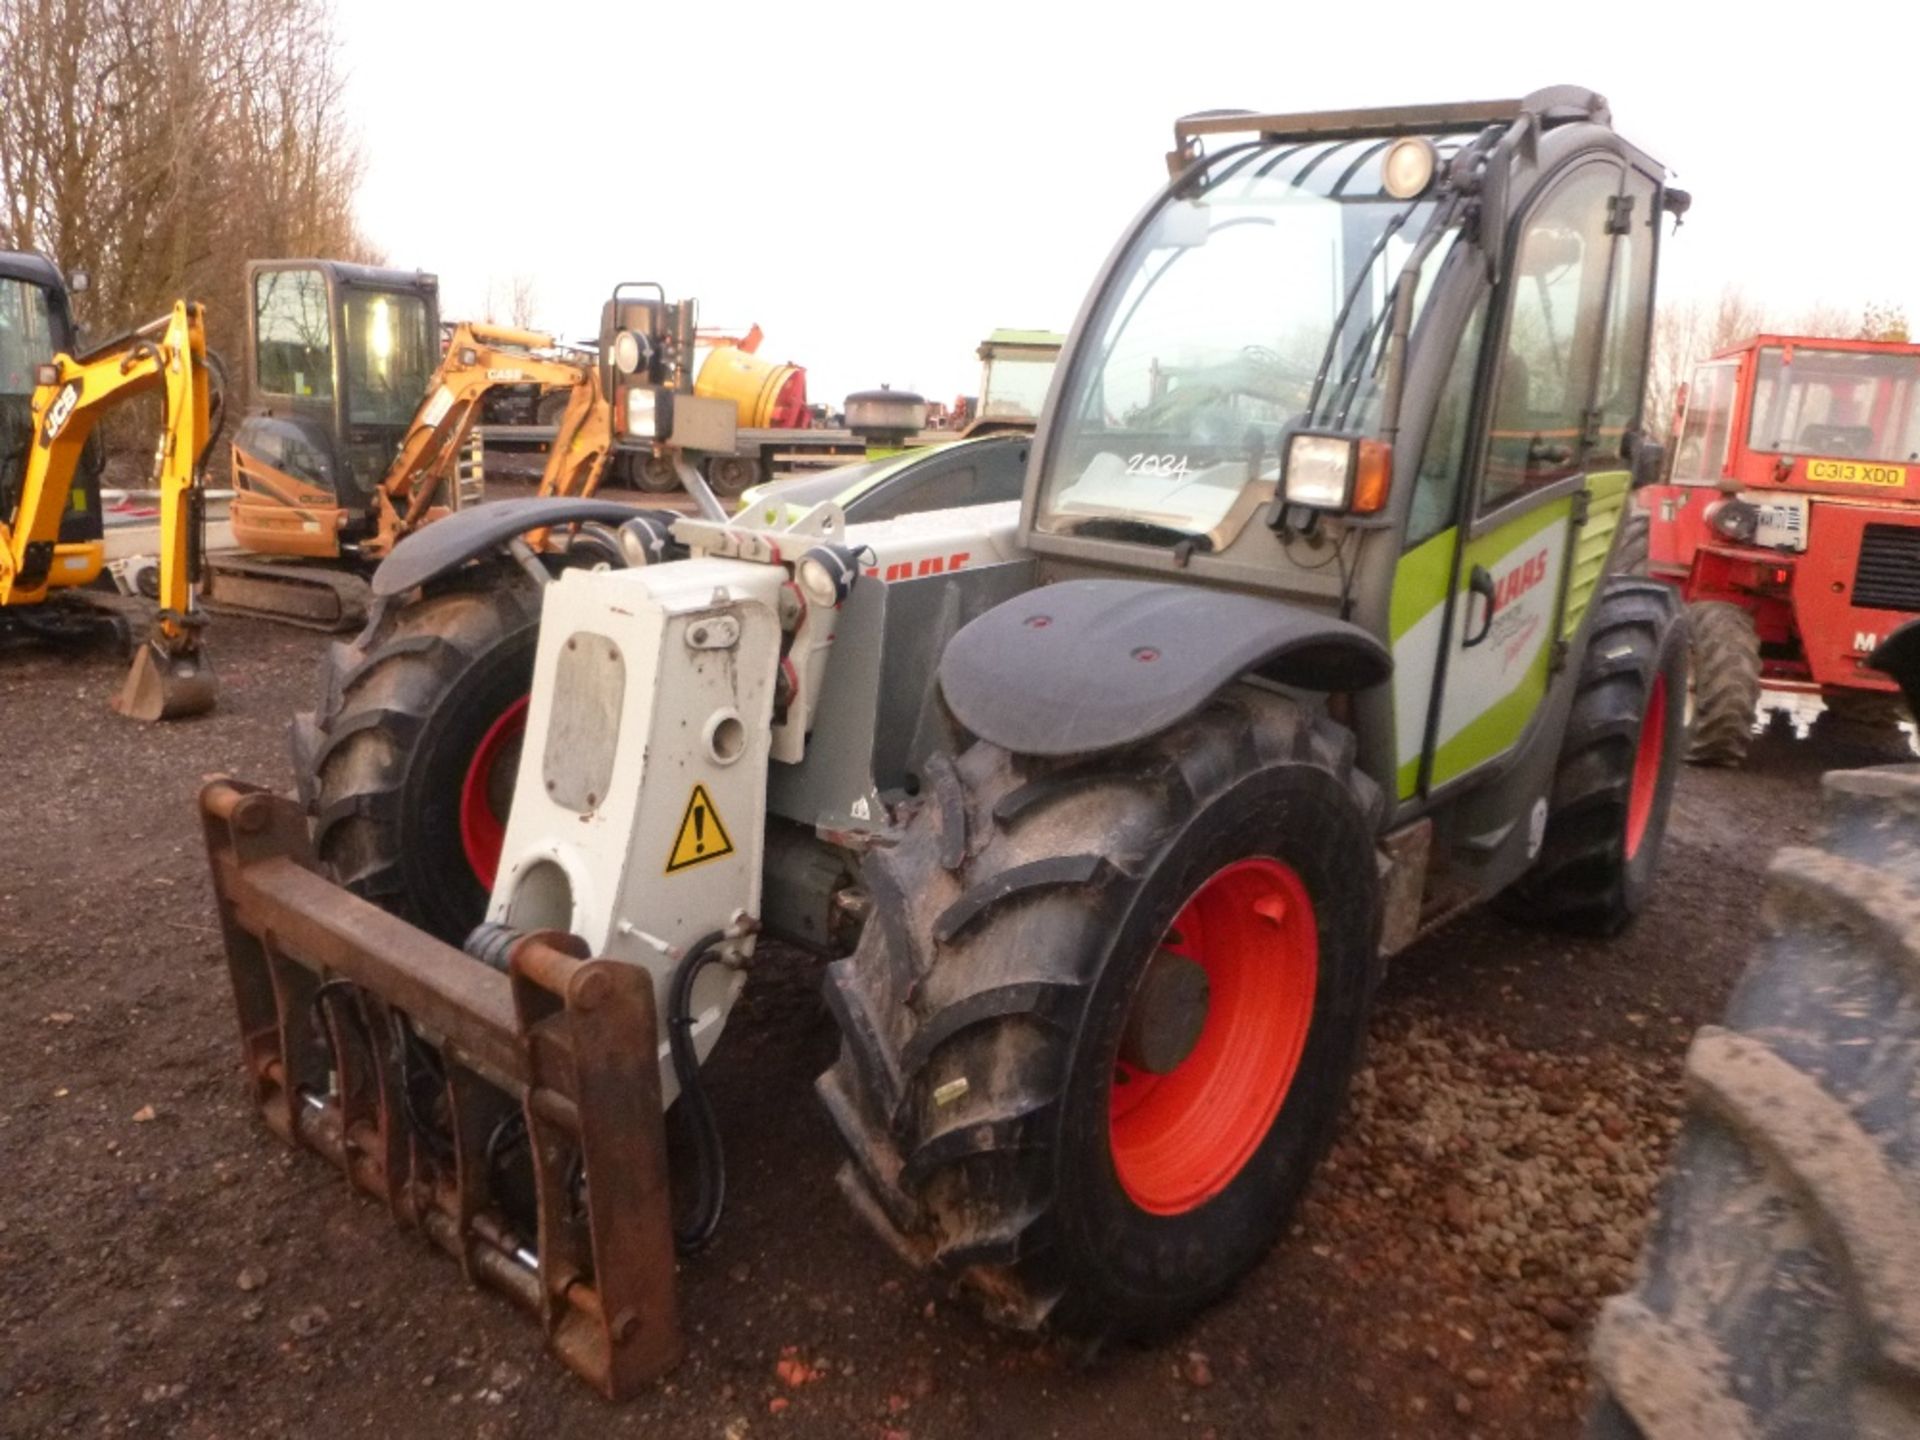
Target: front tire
<point>1032,1095</point>
<point>1619,757</point>
<point>407,767</point>
<point>1726,682</point>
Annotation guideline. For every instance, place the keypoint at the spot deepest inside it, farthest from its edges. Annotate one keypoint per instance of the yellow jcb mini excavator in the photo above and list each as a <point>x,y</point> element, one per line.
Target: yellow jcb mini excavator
<point>356,432</point>
<point>170,675</point>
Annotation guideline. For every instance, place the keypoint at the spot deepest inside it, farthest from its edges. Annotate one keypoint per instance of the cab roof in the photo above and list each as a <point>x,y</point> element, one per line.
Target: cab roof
<point>343,272</point>
<point>33,267</point>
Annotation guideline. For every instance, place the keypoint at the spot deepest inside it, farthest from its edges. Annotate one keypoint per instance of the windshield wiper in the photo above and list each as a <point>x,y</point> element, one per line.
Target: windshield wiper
<point>1144,532</point>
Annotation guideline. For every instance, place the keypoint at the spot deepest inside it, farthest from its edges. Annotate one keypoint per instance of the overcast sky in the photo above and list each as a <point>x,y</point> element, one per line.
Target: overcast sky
<point>878,186</point>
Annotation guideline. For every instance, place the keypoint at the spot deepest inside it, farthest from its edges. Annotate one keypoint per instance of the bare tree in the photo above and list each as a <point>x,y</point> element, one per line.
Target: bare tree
<point>510,301</point>
<point>521,300</point>
<point>160,144</point>
<point>1687,332</point>
<point>1884,320</point>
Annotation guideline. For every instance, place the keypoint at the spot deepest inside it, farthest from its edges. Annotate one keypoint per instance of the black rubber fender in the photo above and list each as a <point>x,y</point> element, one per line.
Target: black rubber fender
<point>447,544</point>
<point>1088,665</point>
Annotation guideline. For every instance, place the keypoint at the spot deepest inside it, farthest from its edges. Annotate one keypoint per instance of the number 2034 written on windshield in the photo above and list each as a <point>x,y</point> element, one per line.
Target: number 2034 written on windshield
<point>1156,464</point>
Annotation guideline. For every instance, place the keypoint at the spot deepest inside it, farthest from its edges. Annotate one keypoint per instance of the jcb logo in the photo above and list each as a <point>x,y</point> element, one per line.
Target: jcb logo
<point>914,569</point>
<point>61,410</point>
<point>1518,581</point>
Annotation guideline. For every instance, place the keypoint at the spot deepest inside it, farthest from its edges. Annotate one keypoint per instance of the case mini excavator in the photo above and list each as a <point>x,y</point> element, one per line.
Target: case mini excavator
<point>50,537</point>
<point>358,423</point>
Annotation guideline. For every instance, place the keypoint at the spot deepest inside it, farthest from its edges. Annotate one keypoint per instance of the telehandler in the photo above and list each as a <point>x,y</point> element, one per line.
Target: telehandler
<point>45,560</point>
<point>357,431</point>
<point>1111,803</point>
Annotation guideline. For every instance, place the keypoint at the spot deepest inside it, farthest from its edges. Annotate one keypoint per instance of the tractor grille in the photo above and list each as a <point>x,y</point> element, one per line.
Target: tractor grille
<point>1888,576</point>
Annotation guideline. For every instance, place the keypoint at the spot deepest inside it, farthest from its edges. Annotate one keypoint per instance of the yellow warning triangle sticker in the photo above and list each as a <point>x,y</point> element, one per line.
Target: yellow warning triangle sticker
<point>702,837</point>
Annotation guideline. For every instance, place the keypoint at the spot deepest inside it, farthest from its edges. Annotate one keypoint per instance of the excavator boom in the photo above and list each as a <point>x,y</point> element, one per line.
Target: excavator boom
<point>419,483</point>
<point>170,675</point>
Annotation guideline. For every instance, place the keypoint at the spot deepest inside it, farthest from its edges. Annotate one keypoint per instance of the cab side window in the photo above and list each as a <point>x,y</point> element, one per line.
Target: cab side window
<point>1436,490</point>
<point>1551,346</point>
<point>294,353</point>
<point>1623,360</point>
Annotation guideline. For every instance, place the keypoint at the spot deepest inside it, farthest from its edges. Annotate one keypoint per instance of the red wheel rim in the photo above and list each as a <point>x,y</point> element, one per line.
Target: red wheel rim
<point>1180,1138</point>
<point>483,826</point>
<point>1646,765</point>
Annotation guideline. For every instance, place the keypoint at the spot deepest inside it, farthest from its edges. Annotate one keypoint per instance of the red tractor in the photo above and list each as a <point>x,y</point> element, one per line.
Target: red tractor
<point>1791,524</point>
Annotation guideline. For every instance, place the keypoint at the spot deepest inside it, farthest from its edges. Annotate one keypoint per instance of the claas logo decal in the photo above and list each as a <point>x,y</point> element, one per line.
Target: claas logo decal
<point>1518,581</point>
<point>913,569</point>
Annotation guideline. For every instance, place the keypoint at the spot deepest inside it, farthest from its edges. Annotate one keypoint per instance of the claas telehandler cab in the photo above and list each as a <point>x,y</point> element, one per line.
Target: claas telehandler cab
<point>1109,805</point>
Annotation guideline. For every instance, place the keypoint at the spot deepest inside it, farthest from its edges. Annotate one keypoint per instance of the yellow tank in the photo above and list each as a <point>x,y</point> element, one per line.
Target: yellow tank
<point>770,396</point>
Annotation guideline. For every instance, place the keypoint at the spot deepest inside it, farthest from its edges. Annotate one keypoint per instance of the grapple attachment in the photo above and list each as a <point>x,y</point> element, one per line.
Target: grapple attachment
<point>513,1118</point>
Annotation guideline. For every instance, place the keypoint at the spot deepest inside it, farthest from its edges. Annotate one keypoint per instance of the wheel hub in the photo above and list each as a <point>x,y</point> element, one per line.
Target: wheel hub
<point>1168,1014</point>
<point>1212,1041</point>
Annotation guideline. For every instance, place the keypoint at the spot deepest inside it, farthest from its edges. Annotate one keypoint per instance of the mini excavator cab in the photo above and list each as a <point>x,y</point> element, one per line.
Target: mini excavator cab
<point>339,358</point>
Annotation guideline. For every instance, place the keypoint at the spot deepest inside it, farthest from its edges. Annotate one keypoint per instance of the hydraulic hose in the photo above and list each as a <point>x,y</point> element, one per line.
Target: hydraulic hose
<point>709,1161</point>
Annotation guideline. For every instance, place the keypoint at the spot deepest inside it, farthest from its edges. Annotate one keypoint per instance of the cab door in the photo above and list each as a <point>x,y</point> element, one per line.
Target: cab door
<point>1545,476</point>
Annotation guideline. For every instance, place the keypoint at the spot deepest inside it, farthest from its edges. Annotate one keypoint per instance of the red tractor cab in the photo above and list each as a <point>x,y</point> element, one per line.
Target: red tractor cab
<point>1791,523</point>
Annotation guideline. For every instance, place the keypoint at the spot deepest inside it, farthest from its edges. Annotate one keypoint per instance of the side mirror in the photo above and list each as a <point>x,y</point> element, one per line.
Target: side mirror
<point>79,282</point>
<point>1647,459</point>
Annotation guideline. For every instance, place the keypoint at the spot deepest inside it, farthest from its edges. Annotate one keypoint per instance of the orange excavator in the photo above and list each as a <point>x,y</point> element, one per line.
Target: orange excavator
<point>358,431</point>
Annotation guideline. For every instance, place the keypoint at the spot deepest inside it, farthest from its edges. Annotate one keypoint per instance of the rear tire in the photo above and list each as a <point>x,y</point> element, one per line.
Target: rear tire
<point>385,763</point>
<point>1780,1289</point>
<point>1865,720</point>
<point>1607,813</point>
<point>653,474</point>
<point>983,1013</point>
<point>731,476</point>
<point>1633,550</point>
<point>1726,682</point>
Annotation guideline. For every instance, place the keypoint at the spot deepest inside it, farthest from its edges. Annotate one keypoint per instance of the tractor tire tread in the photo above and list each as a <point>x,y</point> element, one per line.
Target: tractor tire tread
<point>1578,879</point>
<point>952,1009</point>
<point>1726,682</point>
<point>1779,1290</point>
<point>378,692</point>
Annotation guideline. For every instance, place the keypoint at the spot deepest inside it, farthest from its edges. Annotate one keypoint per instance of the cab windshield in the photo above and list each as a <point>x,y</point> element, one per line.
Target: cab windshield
<point>391,353</point>
<point>1256,306</point>
<point>1854,404</point>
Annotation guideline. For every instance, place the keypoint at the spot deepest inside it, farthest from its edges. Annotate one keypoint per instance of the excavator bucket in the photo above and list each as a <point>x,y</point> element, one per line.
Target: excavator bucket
<point>166,686</point>
<point>510,1115</point>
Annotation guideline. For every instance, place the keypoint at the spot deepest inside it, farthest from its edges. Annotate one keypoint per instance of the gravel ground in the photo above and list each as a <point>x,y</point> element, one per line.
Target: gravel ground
<point>166,1269</point>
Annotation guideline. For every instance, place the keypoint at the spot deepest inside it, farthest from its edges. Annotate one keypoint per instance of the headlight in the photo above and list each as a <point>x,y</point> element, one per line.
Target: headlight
<point>643,412</point>
<point>630,351</point>
<point>1734,519</point>
<point>1407,170</point>
<point>1338,473</point>
<point>826,574</point>
<point>1320,471</point>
